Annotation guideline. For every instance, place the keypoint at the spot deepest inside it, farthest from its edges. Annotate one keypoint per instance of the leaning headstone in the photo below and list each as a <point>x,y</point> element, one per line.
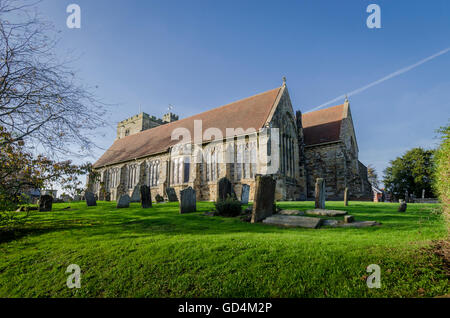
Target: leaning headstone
<point>136,195</point>
<point>188,201</point>
<point>124,201</point>
<point>224,189</point>
<point>346,197</point>
<point>146,197</point>
<point>245,193</point>
<point>320,193</point>
<point>90,199</point>
<point>171,194</point>
<point>45,203</point>
<point>402,207</point>
<point>159,198</point>
<point>263,203</point>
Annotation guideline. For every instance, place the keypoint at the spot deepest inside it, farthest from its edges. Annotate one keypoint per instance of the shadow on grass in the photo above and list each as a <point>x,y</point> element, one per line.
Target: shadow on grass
<point>106,220</point>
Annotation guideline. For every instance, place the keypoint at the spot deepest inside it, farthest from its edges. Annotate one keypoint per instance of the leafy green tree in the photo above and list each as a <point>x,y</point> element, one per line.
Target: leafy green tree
<point>442,172</point>
<point>411,172</point>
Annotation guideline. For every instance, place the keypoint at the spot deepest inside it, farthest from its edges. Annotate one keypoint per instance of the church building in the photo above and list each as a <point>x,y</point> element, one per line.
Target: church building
<point>260,134</point>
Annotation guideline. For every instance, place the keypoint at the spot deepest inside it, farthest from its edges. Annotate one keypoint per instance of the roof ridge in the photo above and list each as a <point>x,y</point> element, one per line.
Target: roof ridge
<point>205,112</point>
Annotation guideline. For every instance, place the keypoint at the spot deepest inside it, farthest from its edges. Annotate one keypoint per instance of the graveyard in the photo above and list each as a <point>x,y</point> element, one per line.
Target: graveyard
<point>156,251</point>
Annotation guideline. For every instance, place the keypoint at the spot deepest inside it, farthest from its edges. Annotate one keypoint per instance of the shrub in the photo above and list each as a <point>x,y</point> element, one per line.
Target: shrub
<point>229,207</point>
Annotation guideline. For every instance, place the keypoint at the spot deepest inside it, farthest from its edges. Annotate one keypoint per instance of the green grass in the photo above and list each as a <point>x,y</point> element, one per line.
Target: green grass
<point>160,253</point>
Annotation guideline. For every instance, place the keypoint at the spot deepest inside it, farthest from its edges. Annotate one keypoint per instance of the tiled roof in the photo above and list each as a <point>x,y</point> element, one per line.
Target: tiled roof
<point>251,112</point>
<point>322,125</point>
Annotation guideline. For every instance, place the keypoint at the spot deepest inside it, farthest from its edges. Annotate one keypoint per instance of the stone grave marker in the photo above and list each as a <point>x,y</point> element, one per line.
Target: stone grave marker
<point>320,193</point>
<point>146,197</point>
<point>90,199</point>
<point>224,189</point>
<point>402,207</point>
<point>45,203</point>
<point>124,201</point>
<point>188,201</point>
<point>136,195</point>
<point>171,194</point>
<point>245,193</point>
<point>159,198</point>
<point>264,201</point>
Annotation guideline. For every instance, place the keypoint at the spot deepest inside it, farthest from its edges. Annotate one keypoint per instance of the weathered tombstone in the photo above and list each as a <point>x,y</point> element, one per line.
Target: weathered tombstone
<point>136,195</point>
<point>171,194</point>
<point>423,194</point>
<point>264,201</point>
<point>245,193</point>
<point>346,197</point>
<point>188,201</point>
<point>45,203</point>
<point>159,198</point>
<point>102,192</point>
<point>320,193</point>
<point>124,201</point>
<point>146,197</point>
<point>90,199</point>
<point>349,219</point>
<point>402,207</point>
<point>224,189</point>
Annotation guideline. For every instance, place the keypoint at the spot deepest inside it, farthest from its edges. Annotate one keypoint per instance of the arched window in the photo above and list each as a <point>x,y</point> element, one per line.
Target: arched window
<point>239,161</point>
<point>186,169</point>
<point>253,160</point>
<point>153,173</point>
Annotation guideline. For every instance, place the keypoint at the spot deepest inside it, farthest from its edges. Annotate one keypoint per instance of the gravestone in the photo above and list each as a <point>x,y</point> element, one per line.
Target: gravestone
<point>346,197</point>
<point>320,193</point>
<point>102,192</point>
<point>245,193</point>
<point>146,197</point>
<point>90,199</point>
<point>188,201</point>
<point>159,198</point>
<point>124,201</point>
<point>224,189</point>
<point>136,195</point>
<point>423,193</point>
<point>171,194</point>
<point>264,201</point>
<point>349,219</point>
<point>45,203</point>
<point>294,221</point>
<point>402,207</point>
<point>108,196</point>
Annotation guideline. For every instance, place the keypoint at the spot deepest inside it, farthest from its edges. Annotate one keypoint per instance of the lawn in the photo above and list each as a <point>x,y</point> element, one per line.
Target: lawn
<point>160,253</point>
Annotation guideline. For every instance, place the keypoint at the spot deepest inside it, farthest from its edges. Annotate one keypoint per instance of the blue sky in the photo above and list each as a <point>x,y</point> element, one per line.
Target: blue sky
<point>201,54</point>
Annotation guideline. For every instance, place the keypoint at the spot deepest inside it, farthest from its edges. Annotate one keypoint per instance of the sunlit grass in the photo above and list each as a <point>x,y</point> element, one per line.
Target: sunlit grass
<point>159,253</point>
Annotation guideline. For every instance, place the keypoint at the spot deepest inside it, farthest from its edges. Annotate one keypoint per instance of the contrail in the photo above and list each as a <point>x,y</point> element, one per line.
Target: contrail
<point>396,73</point>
